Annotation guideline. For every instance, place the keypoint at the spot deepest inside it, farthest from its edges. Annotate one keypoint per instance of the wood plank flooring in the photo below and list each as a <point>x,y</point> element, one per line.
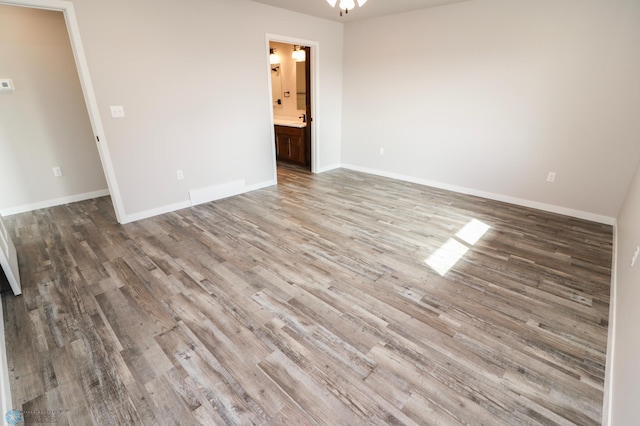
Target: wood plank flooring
<point>312,302</point>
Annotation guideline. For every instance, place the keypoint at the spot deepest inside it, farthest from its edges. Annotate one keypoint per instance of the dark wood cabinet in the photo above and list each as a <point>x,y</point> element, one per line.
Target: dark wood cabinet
<point>291,144</point>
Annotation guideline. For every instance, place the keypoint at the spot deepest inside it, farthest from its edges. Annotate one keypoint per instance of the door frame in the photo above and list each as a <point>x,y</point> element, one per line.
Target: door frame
<point>9,264</point>
<point>66,7</point>
<point>9,260</point>
<point>313,124</point>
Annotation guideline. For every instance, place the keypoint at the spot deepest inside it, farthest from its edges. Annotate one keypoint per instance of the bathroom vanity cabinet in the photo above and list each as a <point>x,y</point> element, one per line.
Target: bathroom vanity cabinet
<point>291,146</point>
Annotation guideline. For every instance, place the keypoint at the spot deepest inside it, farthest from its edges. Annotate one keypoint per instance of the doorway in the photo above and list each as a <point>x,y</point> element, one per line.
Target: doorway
<point>67,9</point>
<point>292,71</point>
<point>44,124</point>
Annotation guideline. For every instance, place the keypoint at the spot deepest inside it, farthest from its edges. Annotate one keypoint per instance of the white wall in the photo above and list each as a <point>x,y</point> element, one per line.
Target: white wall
<point>625,409</point>
<point>192,76</point>
<point>44,122</point>
<point>491,95</point>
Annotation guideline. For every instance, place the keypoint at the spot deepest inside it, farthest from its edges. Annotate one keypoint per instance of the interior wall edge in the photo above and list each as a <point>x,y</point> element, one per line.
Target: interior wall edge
<point>607,402</point>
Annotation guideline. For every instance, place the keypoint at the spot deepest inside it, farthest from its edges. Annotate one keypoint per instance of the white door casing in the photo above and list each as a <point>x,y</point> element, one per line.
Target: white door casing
<point>9,260</point>
<point>9,263</point>
<point>312,126</point>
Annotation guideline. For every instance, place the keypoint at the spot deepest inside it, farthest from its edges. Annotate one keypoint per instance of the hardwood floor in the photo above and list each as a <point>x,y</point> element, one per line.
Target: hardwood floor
<point>312,302</point>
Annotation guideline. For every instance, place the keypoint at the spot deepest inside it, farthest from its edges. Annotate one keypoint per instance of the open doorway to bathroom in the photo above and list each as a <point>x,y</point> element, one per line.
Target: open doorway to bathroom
<point>292,104</point>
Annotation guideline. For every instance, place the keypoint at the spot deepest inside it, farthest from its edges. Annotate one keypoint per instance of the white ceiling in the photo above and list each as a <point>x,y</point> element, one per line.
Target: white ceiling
<point>371,9</point>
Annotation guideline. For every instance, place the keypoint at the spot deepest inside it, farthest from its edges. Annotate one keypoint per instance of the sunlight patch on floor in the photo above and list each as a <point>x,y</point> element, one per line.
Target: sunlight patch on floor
<point>453,250</point>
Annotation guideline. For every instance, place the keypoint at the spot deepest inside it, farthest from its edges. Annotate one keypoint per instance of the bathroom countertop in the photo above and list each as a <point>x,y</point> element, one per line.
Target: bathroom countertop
<point>290,122</point>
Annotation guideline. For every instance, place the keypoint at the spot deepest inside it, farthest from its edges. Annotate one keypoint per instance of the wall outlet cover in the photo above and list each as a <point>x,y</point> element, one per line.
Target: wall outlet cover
<point>6,85</point>
<point>117,111</point>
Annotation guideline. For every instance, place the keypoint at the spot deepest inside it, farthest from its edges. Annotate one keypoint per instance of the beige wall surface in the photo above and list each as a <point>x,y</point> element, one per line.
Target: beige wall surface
<point>491,95</point>
<point>192,77</point>
<point>44,122</point>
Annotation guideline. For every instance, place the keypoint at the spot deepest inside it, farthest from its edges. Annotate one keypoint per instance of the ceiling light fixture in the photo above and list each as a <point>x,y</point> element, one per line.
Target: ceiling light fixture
<point>346,5</point>
<point>298,53</point>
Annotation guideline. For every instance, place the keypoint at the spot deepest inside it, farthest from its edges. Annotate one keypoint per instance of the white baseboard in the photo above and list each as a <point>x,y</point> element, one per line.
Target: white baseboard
<point>489,195</point>
<point>155,212</point>
<point>54,202</point>
<point>217,192</point>
<point>200,196</point>
<point>329,168</point>
<point>261,185</point>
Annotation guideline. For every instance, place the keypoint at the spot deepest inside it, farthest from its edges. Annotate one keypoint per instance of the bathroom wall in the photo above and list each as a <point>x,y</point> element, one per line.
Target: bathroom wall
<point>289,77</point>
<point>43,123</point>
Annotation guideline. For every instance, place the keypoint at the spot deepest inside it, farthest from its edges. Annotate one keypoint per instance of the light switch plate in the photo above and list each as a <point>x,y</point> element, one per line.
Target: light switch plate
<point>117,111</point>
<point>6,85</point>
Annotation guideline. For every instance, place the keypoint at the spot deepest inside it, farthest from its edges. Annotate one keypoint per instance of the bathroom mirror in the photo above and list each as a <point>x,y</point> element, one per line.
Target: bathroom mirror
<point>301,85</point>
<point>276,85</point>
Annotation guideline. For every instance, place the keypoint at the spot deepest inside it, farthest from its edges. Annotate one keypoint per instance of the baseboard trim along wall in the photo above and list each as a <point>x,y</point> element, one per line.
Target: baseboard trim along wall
<point>54,202</point>
<point>200,196</point>
<point>213,193</point>
<point>155,212</point>
<point>329,168</point>
<point>489,195</point>
<point>218,192</point>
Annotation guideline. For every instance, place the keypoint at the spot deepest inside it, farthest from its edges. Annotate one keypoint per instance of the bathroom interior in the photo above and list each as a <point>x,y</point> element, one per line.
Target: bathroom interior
<point>290,84</point>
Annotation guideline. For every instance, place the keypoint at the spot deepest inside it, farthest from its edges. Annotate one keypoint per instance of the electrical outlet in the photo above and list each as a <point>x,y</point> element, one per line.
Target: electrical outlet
<point>551,177</point>
<point>57,171</point>
<point>635,256</point>
<point>381,151</point>
<point>117,111</point>
<point>180,175</point>
<point>6,85</point>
